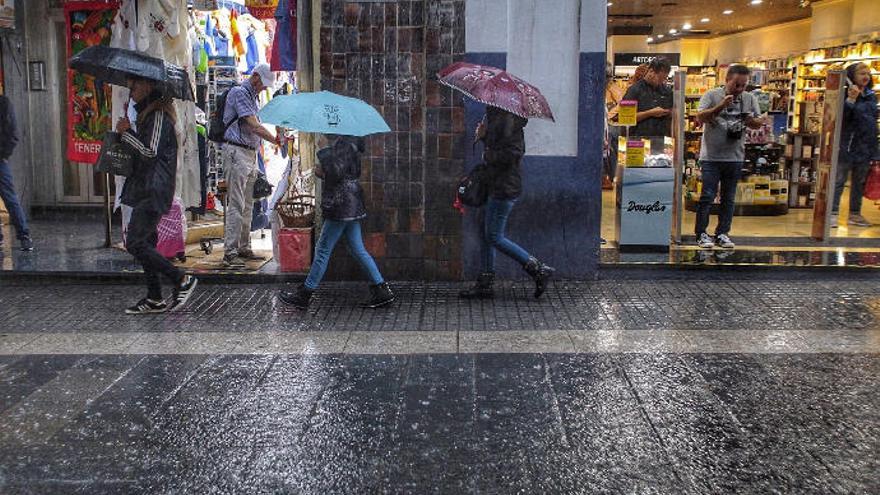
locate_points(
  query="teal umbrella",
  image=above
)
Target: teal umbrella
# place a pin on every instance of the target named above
(324, 112)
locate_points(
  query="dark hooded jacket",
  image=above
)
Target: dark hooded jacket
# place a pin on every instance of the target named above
(342, 197)
(505, 147)
(8, 128)
(155, 146)
(858, 139)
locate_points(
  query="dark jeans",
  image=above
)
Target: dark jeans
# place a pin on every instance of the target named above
(859, 173)
(10, 199)
(727, 174)
(141, 243)
(495, 223)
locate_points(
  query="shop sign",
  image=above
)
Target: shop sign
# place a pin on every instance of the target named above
(635, 153)
(635, 59)
(7, 14)
(626, 113)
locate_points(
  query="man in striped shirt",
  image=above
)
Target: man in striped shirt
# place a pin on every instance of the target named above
(243, 136)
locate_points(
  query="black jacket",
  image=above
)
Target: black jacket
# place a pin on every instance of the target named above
(505, 147)
(155, 144)
(8, 128)
(342, 195)
(858, 139)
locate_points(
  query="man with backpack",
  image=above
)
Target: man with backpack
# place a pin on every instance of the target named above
(8, 140)
(242, 137)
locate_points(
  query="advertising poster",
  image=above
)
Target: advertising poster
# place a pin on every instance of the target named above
(88, 24)
(831, 116)
(7, 14)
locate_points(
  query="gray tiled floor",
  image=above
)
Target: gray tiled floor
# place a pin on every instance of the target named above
(691, 384)
(708, 301)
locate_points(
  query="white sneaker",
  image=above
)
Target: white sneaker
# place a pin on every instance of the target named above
(724, 241)
(705, 242)
(834, 221)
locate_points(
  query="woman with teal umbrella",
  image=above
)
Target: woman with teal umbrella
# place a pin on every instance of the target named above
(344, 121)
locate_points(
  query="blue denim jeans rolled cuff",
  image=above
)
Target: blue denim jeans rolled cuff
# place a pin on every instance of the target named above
(13, 205)
(331, 232)
(726, 174)
(496, 212)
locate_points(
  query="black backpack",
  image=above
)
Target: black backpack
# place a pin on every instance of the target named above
(216, 126)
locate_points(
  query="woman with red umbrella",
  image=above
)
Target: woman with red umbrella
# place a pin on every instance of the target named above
(510, 102)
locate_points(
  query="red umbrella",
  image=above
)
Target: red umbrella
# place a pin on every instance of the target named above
(498, 88)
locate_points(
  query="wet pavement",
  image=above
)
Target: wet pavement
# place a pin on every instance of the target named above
(692, 383)
(74, 243)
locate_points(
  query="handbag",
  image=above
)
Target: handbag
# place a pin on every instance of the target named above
(262, 188)
(116, 157)
(872, 183)
(473, 188)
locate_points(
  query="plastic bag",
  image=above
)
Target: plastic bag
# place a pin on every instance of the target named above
(872, 184)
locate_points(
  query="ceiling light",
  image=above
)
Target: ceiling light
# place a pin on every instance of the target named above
(660, 36)
(727, 12)
(704, 20)
(610, 4)
(757, 2)
(673, 31)
(686, 26)
(650, 40)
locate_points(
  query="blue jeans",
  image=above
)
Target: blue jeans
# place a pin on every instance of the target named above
(728, 174)
(495, 223)
(10, 199)
(330, 234)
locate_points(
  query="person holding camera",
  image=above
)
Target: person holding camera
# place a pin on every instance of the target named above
(725, 112)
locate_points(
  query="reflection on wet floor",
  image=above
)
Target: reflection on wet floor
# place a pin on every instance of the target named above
(749, 255)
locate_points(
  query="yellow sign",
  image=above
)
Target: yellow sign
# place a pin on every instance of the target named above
(635, 154)
(626, 115)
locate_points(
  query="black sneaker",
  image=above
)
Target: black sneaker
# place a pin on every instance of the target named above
(27, 244)
(183, 292)
(248, 255)
(147, 306)
(233, 261)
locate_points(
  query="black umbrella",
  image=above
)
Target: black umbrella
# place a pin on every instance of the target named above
(116, 65)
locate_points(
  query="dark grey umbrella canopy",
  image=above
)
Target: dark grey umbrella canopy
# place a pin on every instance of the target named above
(116, 65)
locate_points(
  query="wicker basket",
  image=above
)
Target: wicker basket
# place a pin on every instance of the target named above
(297, 212)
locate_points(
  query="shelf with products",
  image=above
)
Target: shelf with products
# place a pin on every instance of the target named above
(763, 189)
(805, 109)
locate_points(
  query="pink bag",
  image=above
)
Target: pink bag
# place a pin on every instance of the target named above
(172, 232)
(872, 184)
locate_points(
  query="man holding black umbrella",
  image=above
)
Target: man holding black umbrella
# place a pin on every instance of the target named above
(244, 134)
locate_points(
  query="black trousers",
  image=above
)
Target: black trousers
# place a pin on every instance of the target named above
(141, 243)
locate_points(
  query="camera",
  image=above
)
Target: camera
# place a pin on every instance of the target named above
(735, 129)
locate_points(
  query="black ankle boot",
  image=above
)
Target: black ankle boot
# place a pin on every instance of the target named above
(380, 295)
(483, 289)
(540, 273)
(298, 298)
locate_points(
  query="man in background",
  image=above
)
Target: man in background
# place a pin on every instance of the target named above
(655, 101)
(8, 140)
(725, 112)
(243, 137)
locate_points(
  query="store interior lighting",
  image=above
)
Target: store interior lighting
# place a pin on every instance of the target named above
(727, 12)
(704, 20)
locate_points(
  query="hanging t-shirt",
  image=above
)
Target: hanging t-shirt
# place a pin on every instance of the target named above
(253, 53)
